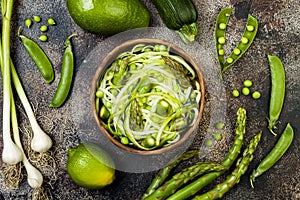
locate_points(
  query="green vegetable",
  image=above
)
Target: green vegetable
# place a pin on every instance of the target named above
(247, 83)
(39, 57)
(179, 15)
(256, 95)
(198, 184)
(245, 91)
(277, 91)
(221, 24)
(218, 136)
(234, 178)
(165, 171)
(208, 142)
(235, 93)
(164, 96)
(66, 78)
(11, 154)
(36, 18)
(43, 38)
(244, 43)
(28, 23)
(51, 21)
(186, 175)
(276, 153)
(43, 28)
(220, 125)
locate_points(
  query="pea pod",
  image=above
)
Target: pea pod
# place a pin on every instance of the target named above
(244, 43)
(276, 153)
(39, 57)
(221, 24)
(277, 91)
(65, 81)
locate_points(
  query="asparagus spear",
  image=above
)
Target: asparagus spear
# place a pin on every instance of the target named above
(181, 178)
(234, 177)
(164, 172)
(233, 153)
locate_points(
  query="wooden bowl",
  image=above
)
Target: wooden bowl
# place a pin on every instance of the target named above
(110, 57)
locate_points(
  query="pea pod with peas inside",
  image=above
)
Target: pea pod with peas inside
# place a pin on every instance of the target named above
(39, 57)
(277, 91)
(65, 81)
(276, 153)
(244, 43)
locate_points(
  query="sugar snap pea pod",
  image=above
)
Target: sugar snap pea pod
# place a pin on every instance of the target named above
(220, 30)
(275, 154)
(244, 43)
(234, 178)
(277, 91)
(39, 57)
(232, 155)
(165, 171)
(65, 81)
(183, 177)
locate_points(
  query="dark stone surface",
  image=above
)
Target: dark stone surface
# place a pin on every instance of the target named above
(279, 34)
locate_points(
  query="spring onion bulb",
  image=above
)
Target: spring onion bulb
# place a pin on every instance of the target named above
(149, 96)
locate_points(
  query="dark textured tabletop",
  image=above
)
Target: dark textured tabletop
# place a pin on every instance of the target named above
(278, 34)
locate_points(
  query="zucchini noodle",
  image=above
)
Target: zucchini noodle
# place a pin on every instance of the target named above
(149, 96)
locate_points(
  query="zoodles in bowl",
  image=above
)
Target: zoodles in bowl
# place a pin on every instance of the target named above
(148, 97)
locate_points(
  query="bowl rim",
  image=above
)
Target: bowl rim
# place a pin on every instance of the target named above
(107, 60)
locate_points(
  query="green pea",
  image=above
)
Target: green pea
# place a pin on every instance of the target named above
(124, 140)
(51, 21)
(104, 113)
(244, 40)
(209, 142)
(236, 51)
(99, 94)
(256, 95)
(235, 93)
(246, 91)
(28, 22)
(36, 18)
(43, 38)
(250, 28)
(43, 28)
(222, 26)
(229, 60)
(221, 40)
(218, 136)
(221, 52)
(247, 83)
(220, 125)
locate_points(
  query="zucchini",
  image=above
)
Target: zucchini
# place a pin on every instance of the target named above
(179, 15)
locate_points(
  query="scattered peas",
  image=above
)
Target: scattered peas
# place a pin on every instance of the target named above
(229, 60)
(247, 83)
(220, 125)
(218, 136)
(28, 22)
(246, 91)
(51, 21)
(222, 26)
(43, 28)
(43, 38)
(236, 51)
(256, 95)
(250, 28)
(36, 18)
(99, 94)
(221, 40)
(235, 93)
(244, 40)
(208, 142)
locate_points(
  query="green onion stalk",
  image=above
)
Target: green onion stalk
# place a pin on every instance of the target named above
(148, 97)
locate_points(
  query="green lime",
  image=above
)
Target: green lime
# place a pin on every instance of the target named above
(90, 166)
(108, 17)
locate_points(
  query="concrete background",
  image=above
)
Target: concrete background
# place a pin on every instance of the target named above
(279, 34)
